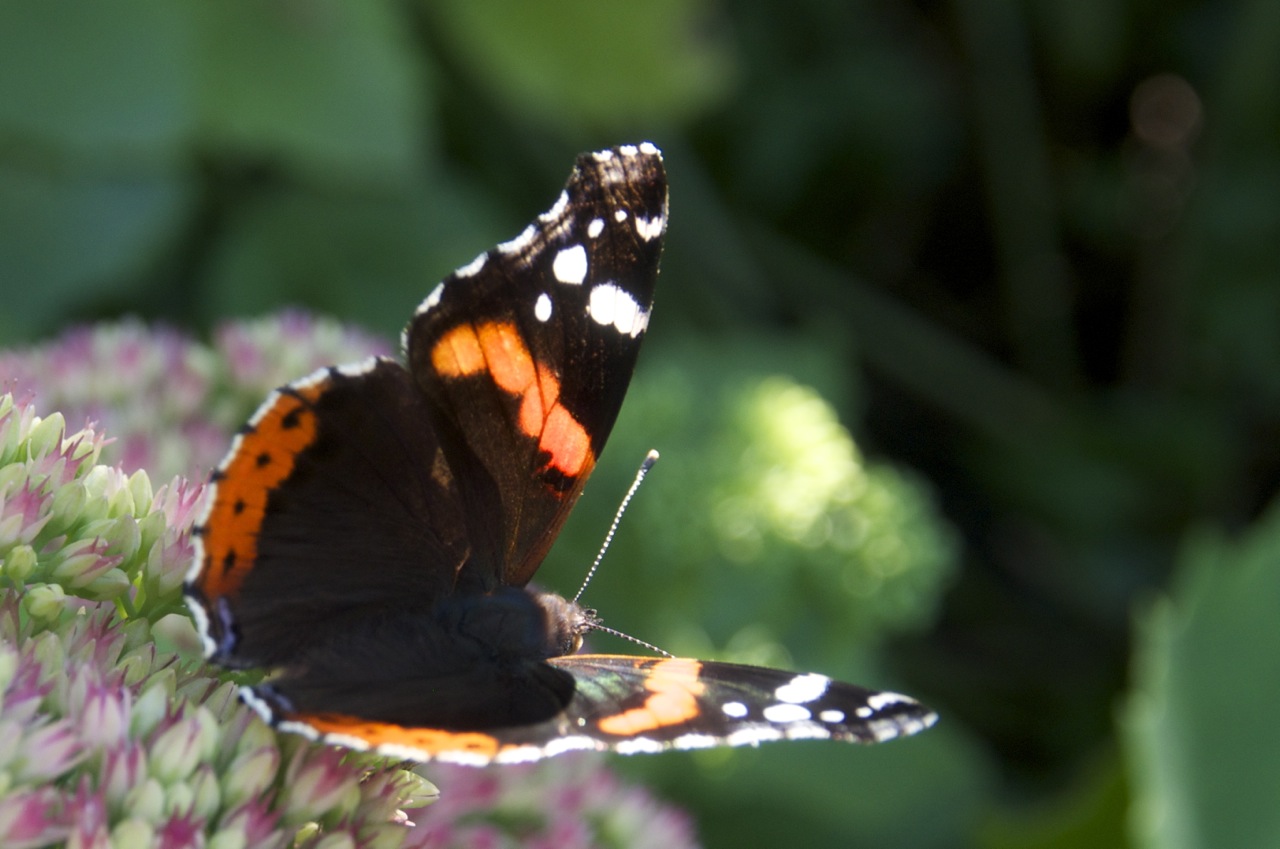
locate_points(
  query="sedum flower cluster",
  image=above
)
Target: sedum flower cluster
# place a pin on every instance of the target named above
(113, 730)
(168, 402)
(107, 737)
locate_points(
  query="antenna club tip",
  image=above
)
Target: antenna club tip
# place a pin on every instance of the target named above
(650, 458)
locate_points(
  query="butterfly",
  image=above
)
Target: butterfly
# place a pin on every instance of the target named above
(371, 533)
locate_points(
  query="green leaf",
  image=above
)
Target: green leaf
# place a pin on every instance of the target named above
(332, 88)
(369, 258)
(1200, 724)
(64, 233)
(100, 80)
(589, 63)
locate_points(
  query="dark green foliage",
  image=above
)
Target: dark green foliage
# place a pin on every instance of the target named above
(1028, 250)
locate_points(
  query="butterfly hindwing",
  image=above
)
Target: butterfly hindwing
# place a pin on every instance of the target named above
(636, 705)
(329, 504)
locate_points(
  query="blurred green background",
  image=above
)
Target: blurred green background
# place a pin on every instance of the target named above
(965, 366)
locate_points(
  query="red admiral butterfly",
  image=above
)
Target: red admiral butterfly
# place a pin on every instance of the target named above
(370, 534)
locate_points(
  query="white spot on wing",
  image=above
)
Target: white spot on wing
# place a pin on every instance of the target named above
(806, 731)
(734, 710)
(542, 308)
(354, 743)
(832, 716)
(595, 228)
(880, 701)
(290, 727)
(803, 688)
(434, 298)
(459, 757)
(518, 755)
(649, 148)
(639, 746)
(357, 369)
(570, 265)
(472, 268)
(404, 753)
(650, 228)
(570, 744)
(202, 618)
(519, 243)
(557, 209)
(685, 742)
(613, 306)
(619, 215)
(785, 713)
(753, 735)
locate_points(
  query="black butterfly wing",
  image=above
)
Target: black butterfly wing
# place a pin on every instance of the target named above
(334, 502)
(634, 705)
(526, 353)
(358, 532)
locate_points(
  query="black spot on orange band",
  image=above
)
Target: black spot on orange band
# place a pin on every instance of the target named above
(263, 460)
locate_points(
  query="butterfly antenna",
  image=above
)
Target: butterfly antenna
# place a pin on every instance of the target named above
(596, 626)
(649, 460)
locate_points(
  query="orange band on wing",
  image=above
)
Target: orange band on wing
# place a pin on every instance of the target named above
(498, 350)
(430, 741)
(673, 687)
(567, 443)
(263, 459)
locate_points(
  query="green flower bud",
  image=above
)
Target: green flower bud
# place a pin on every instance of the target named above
(151, 706)
(45, 436)
(96, 507)
(179, 798)
(48, 752)
(256, 735)
(8, 664)
(416, 791)
(45, 602)
(140, 489)
(79, 562)
(250, 774)
(12, 473)
(122, 537)
(19, 563)
(146, 801)
(112, 583)
(136, 664)
(336, 841)
(151, 528)
(178, 631)
(132, 832)
(382, 837)
(175, 753)
(87, 447)
(11, 731)
(206, 792)
(68, 506)
(229, 839)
